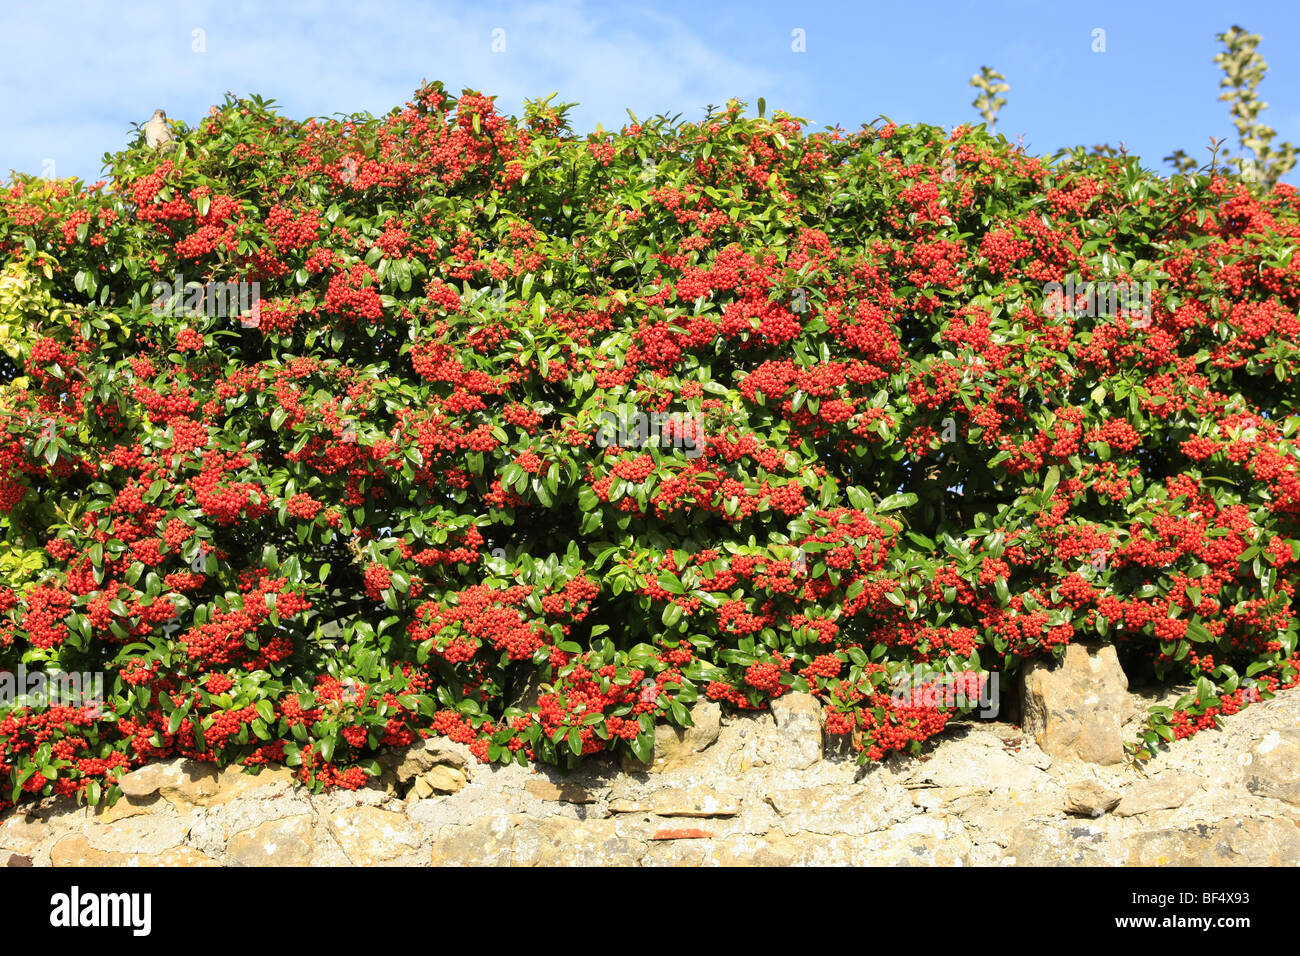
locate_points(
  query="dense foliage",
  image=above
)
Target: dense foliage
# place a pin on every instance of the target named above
(406, 491)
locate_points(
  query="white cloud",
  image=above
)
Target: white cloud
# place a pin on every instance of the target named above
(78, 79)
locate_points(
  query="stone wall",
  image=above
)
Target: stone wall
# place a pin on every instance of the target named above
(753, 789)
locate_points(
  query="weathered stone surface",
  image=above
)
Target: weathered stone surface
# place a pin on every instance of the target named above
(693, 802)
(488, 841)
(443, 779)
(423, 756)
(928, 840)
(150, 833)
(982, 763)
(1078, 707)
(777, 849)
(1073, 844)
(286, 842)
(76, 850)
(932, 798)
(921, 841)
(147, 780)
(22, 833)
(326, 851)
(682, 848)
(1089, 798)
(680, 802)
(121, 810)
(985, 794)
(233, 783)
(853, 809)
(1166, 792)
(788, 737)
(561, 792)
(1227, 843)
(188, 783)
(214, 826)
(152, 778)
(1273, 767)
(368, 835)
(674, 746)
(373, 794)
(799, 731)
(563, 841)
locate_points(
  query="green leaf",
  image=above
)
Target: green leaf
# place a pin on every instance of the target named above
(1004, 592)
(1053, 479)
(671, 583)
(643, 747)
(897, 501)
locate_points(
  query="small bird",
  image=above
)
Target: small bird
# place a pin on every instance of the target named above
(156, 132)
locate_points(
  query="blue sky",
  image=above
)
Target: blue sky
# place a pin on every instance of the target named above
(75, 76)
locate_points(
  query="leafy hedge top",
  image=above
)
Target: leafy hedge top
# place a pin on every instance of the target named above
(409, 483)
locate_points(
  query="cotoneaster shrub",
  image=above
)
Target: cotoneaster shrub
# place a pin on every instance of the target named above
(394, 497)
